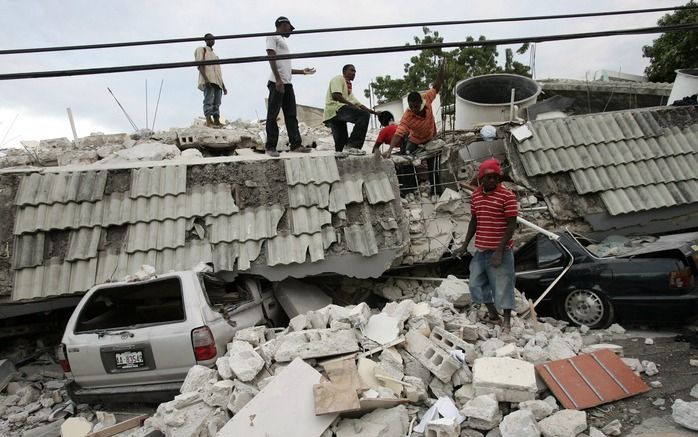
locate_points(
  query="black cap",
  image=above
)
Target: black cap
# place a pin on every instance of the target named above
(283, 19)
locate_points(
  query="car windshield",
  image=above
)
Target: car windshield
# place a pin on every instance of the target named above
(131, 305)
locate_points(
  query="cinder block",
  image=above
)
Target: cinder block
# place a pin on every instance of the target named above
(509, 379)
(449, 342)
(445, 427)
(435, 359)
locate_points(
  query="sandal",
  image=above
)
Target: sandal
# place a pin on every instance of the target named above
(488, 319)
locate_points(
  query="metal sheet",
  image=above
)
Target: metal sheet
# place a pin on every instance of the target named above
(635, 199)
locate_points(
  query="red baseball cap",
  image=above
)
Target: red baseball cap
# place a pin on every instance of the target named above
(489, 166)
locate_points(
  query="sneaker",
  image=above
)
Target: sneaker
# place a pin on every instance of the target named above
(354, 151)
(300, 149)
(273, 153)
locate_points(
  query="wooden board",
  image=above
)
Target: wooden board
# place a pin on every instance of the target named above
(120, 427)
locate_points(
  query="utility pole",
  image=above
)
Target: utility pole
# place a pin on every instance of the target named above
(72, 126)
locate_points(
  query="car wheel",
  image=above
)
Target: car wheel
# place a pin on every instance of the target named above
(586, 307)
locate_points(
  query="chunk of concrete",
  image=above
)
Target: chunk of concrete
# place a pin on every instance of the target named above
(416, 391)
(285, 407)
(444, 427)
(382, 328)
(7, 371)
(540, 409)
(315, 343)
(254, 335)
(431, 356)
(613, 428)
(558, 349)
(297, 297)
(218, 394)
(76, 427)
(617, 349)
(685, 414)
(224, 369)
(359, 315)
(509, 379)
(455, 291)
(242, 394)
(483, 407)
(197, 377)
(53, 429)
(450, 342)
(198, 419)
(649, 368)
(393, 422)
(244, 361)
(565, 423)
(520, 423)
(694, 391)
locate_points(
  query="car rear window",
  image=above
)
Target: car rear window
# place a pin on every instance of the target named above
(137, 304)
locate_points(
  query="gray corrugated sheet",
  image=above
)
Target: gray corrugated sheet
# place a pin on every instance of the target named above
(657, 171)
(118, 209)
(288, 249)
(54, 278)
(83, 243)
(167, 234)
(378, 189)
(28, 251)
(38, 188)
(635, 199)
(248, 224)
(318, 170)
(309, 195)
(309, 220)
(158, 181)
(674, 142)
(362, 239)
(348, 190)
(590, 129)
(329, 236)
(225, 255)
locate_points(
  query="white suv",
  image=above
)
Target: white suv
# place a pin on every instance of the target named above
(137, 340)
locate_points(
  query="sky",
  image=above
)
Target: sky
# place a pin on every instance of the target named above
(34, 109)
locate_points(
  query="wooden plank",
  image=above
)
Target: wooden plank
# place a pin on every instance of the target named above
(120, 427)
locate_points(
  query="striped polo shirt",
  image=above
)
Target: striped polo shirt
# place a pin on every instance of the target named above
(420, 129)
(491, 211)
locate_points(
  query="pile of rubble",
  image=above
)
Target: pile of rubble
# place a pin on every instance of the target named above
(415, 367)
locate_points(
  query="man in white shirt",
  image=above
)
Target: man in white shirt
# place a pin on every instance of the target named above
(210, 82)
(281, 95)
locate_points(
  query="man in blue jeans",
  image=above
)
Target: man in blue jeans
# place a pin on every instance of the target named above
(342, 107)
(493, 211)
(210, 82)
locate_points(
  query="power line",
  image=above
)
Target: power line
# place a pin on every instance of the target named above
(345, 29)
(349, 52)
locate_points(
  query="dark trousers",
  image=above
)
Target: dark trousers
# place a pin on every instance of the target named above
(287, 102)
(338, 124)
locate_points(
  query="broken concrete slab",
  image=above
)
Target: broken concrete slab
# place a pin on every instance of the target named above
(196, 377)
(76, 427)
(297, 297)
(254, 335)
(382, 328)
(509, 379)
(540, 409)
(7, 371)
(242, 394)
(52, 429)
(685, 414)
(393, 422)
(618, 350)
(315, 343)
(483, 407)
(520, 423)
(244, 361)
(198, 419)
(564, 423)
(284, 407)
(431, 356)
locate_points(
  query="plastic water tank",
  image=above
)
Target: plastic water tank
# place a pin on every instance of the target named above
(685, 84)
(483, 99)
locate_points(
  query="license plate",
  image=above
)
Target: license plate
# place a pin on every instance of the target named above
(129, 360)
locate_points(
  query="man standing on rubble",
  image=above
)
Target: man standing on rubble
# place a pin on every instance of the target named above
(342, 107)
(281, 94)
(493, 210)
(418, 123)
(210, 82)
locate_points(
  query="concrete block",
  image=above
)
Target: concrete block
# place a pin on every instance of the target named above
(218, 394)
(299, 323)
(539, 409)
(197, 376)
(449, 342)
(685, 414)
(510, 350)
(254, 335)
(464, 394)
(76, 427)
(7, 371)
(392, 422)
(244, 361)
(431, 356)
(509, 379)
(314, 343)
(520, 423)
(565, 423)
(483, 407)
(285, 407)
(224, 369)
(444, 427)
(455, 291)
(297, 297)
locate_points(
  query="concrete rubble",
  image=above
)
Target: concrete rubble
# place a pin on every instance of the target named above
(685, 414)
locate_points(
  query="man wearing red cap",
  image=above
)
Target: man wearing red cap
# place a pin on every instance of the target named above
(493, 212)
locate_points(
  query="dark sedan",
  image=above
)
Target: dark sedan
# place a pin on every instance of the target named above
(652, 283)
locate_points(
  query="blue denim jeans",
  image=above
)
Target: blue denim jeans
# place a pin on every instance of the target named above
(212, 100)
(490, 284)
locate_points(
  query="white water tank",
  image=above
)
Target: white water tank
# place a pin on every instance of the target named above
(486, 99)
(685, 84)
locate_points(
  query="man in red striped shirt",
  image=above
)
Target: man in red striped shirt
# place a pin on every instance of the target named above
(493, 211)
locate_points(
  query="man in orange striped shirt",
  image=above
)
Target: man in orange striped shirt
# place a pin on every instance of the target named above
(493, 211)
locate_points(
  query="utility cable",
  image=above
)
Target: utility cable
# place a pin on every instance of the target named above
(346, 29)
(348, 52)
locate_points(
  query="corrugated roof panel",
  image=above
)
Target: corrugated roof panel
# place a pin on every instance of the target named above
(83, 243)
(378, 189)
(225, 255)
(28, 251)
(38, 188)
(362, 239)
(167, 234)
(249, 224)
(329, 236)
(289, 249)
(317, 170)
(589, 129)
(158, 181)
(118, 209)
(658, 171)
(309, 195)
(54, 278)
(309, 220)
(635, 199)
(348, 190)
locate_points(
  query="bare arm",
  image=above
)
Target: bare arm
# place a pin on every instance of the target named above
(275, 71)
(472, 226)
(393, 143)
(440, 77)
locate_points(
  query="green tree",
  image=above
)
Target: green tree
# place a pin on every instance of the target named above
(462, 62)
(672, 51)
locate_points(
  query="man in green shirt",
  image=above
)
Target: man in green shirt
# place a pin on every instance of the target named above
(342, 107)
